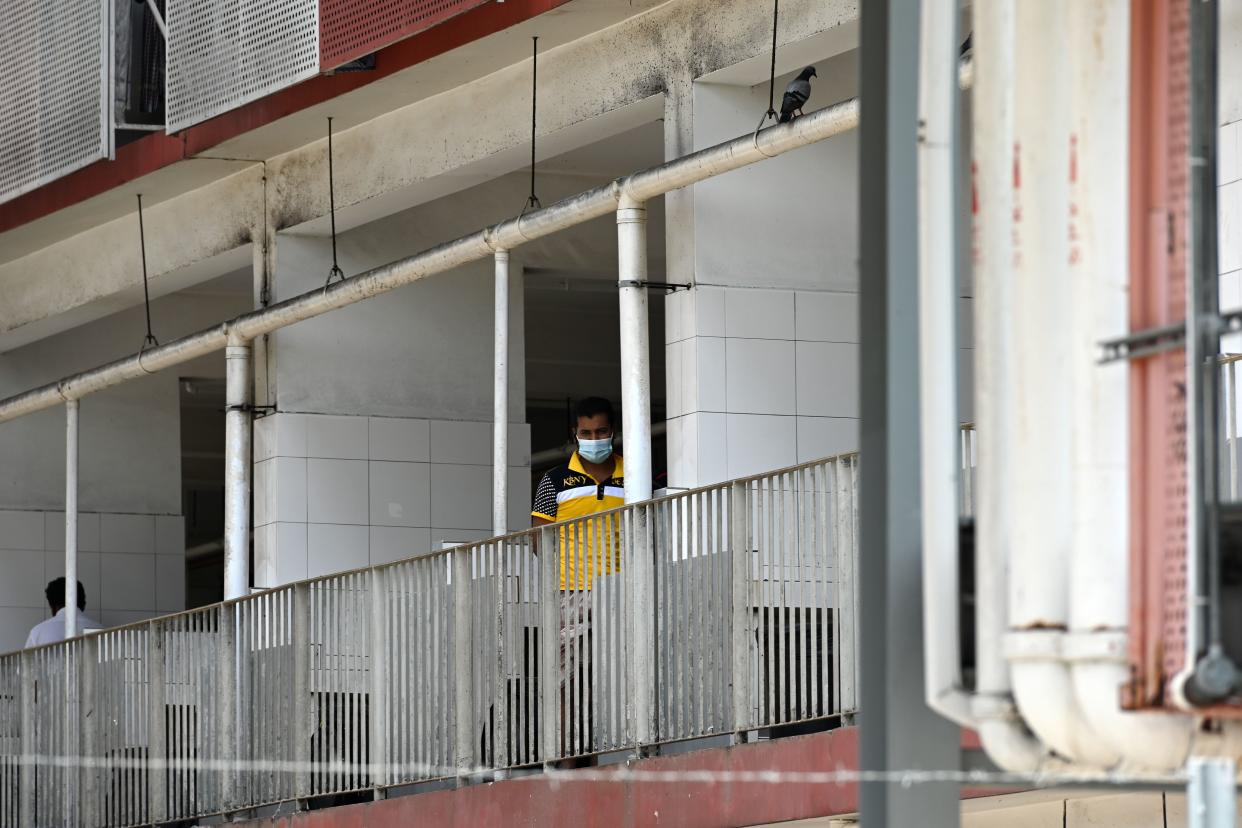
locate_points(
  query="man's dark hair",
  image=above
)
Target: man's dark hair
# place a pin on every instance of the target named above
(55, 593)
(592, 406)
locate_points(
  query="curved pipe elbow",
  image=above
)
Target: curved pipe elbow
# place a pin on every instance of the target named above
(1144, 741)
(1005, 737)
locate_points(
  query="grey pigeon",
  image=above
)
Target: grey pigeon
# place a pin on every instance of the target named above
(797, 94)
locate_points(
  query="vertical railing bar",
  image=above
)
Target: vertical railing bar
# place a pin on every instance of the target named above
(463, 623)
(157, 746)
(1232, 441)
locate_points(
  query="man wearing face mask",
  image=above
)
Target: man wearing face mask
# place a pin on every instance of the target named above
(591, 482)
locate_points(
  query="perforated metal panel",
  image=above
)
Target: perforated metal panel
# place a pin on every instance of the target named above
(350, 29)
(224, 53)
(55, 115)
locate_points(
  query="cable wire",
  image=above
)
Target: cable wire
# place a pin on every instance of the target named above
(532, 201)
(149, 340)
(771, 113)
(335, 272)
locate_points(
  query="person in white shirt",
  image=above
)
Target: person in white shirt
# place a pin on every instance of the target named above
(53, 629)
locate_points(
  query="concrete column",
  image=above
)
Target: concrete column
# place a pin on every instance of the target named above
(239, 397)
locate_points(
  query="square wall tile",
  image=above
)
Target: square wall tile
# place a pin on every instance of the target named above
(335, 437)
(966, 385)
(395, 543)
(170, 535)
(674, 378)
(128, 582)
(710, 375)
(461, 496)
(264, 438)
(759, 376)
(54, 531)
(89, 573)
(123, 618)
(130, 534)
(259, 481)
(287, 489)
(15, 625)
(713, 465)
(22, 582)
(291, 434)
(760, 444)
(264, 574)
(828, 379)
(826, 317)
(394, 438)
(400, 494)
(759, 314)
(682, 437)
(519, 444)
(21, 530)
(1230, 290)
(697, 450)
(336, 491)
(335, 548)
(675, 312)
(169, 583)
(455, 441)
(820, 437)
(291, 557)
(708, 309)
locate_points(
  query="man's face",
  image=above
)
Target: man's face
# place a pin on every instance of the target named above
(593, 428)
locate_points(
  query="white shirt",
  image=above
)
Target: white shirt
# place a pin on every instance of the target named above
(53, 629)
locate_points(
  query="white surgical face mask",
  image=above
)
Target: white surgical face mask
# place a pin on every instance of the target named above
(595, 451)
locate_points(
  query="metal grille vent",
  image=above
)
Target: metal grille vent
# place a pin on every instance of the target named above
(225, 53)
(350, 29)
(55, 87)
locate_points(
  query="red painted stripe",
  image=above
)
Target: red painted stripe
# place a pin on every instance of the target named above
(156, 151)
(536, 801)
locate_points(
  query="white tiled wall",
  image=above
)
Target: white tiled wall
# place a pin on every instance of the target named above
(334, 493)
(758, 379)
(132, 567)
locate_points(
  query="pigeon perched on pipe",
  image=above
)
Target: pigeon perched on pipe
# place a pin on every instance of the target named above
(797, 94)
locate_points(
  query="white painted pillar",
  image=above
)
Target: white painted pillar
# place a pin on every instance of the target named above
(500, 399)
(635, 348)
(239, 391)
(71, 518)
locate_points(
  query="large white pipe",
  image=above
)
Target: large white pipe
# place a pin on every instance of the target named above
(500, 398)
(1099, 573)
(640, 186)
(239, 390)
(938, 418)
(71, 518)
(1038, 429)
(635, 347)
(1004, 736)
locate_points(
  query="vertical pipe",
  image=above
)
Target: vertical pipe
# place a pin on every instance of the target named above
(71, 518)
(239, 395)
(1210, 795)
(500, 399)
(635, 351)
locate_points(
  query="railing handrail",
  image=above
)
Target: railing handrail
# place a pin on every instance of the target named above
(531, 532)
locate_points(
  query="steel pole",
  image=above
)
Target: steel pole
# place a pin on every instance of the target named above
(239, 392)
(500, 399)
(635, 348)
(71, 518)
(898, 731)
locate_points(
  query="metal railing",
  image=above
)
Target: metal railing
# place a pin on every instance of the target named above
(715, 611)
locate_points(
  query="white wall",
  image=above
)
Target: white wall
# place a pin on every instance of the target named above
(131, 532)
(130, 450)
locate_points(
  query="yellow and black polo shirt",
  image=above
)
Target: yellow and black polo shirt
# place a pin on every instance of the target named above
(589, 548)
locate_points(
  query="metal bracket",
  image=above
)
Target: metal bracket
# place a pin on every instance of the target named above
(1153, 341)
(671, 287)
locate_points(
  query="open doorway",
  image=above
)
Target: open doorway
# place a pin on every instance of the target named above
(202, 487)
(573, 333)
